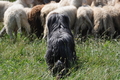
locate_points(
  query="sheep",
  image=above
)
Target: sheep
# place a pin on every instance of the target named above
(15, 16)
(13, 13)
(84, 21)
(117, 9)
(35, 21)
(4, 5)
(114, 12)
(70, 11)
(46, 9)
(103, 24)
(50, 7)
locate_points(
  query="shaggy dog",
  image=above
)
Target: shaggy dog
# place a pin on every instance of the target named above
(60, 43)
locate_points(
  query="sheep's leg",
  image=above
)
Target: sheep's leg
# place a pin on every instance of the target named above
(26, 25)
(45, 32)
(2, 32)
(18, 20)
(15, 33)
(76, 31)
(9, 32)
(77, 28)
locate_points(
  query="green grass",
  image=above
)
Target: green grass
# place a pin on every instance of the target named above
(24, 60)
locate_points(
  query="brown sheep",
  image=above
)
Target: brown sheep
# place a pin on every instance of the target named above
(35, 21)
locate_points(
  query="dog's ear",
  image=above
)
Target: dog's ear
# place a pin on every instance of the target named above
(51, 20)
(65, 20)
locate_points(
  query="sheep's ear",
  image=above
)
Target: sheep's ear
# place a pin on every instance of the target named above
(29, 1)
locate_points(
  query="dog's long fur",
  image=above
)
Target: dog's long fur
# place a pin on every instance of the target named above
(60, 42)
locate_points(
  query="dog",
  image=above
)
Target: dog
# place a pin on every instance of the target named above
(60, 43)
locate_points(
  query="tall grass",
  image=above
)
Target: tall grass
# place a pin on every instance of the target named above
(24, 60)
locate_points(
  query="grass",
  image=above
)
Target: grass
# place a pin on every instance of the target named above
(24, 60)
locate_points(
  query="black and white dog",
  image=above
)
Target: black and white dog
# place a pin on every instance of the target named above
(60, 43)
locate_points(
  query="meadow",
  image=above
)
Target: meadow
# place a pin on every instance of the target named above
(97, 59)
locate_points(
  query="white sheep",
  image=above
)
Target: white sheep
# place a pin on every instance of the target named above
(69, 11)
(103, 23)
(84, 19)
(17, 14)
(4, 5)
(114, 13)
(46, 9)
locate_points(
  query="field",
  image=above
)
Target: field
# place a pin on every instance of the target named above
(24, 60)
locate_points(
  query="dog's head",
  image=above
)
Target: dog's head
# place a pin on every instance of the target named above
(56, 21)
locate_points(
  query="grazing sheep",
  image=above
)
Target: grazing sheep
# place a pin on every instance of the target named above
(15, 16)
(50, 7)
(84, 20)
(60, 53)
(103, 23)
(117, 10)
(35, 21)
(69, 11)
(46, 9)
(13, 13)
(4, 5)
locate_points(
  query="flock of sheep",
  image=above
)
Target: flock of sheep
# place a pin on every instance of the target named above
(99, 17)
(56, 20)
